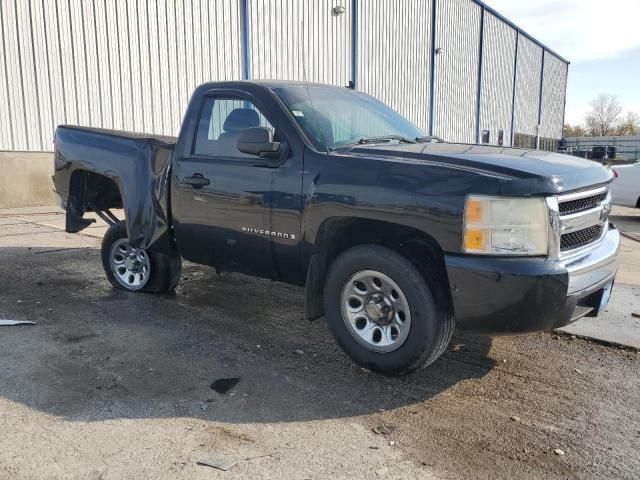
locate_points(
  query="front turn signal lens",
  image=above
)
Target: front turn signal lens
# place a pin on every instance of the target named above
(473, 239)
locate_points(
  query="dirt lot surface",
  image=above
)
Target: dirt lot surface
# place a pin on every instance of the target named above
(111, 385)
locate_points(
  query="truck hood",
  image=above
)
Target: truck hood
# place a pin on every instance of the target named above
(528, 172)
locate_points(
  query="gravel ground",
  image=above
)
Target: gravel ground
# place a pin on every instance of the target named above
(116, 385)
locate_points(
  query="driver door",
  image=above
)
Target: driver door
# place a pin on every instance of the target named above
(220, 195)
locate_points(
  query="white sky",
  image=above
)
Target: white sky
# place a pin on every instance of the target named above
(601, 39)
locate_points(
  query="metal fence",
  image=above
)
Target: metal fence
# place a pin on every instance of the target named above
(623, 148)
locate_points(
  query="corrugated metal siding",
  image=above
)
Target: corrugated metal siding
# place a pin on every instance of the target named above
(129, 65)
(456, 69)
(529, 66)
(132, 64)
(394, 48)
(290, 38)
(14, 74)
(499, 51)
(6, 113)
(554, 86)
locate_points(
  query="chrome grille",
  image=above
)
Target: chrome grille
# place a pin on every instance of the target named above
(582, 219)
(581, 204)
(580, 238)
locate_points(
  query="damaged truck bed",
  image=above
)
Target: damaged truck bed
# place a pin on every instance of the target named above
(97, 170)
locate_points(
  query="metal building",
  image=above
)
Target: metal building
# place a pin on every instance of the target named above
(456, 68)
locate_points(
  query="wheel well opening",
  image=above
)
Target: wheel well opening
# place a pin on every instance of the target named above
(94, 191)
(89, 192)
(339, 234)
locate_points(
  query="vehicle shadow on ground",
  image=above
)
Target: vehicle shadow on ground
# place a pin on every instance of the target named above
(99, 353)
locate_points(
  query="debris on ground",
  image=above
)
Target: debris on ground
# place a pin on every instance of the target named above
(383, 429)
(223, 385)
(223, 463)
(11, 323)
(578, 371)
(261, 456)
(299, 352)
(226, 462)
(557, 451)
(515, 418)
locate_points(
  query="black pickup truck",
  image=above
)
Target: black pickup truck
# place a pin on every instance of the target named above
(398, 237)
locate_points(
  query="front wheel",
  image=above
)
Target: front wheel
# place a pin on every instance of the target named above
(136, 269)
(383, 311)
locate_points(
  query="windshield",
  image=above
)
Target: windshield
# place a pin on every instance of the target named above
(333, 117)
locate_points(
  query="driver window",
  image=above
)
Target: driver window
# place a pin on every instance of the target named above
(220, 124)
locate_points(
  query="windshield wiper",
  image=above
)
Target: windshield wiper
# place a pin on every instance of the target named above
(429, 139)
(380, 139)
(384, 138)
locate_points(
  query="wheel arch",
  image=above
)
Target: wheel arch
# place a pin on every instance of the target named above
(89, 192)
(337, 234)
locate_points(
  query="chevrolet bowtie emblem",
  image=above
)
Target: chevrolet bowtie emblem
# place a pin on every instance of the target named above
(606, 210)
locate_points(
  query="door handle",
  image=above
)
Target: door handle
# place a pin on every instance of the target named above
(197, 180)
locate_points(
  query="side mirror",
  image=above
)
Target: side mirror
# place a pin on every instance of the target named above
(258, 141)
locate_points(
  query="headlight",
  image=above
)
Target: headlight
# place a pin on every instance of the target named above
(505, 226)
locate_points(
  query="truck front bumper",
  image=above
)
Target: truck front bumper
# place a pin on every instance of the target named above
(518, 295)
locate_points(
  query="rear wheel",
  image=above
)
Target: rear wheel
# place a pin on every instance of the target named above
(129, 266)
(383, 311)
(136, 269)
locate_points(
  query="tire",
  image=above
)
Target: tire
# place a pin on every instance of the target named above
(420, 339)
(162, 270)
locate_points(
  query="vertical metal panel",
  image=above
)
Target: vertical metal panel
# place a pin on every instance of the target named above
(129, 65)
(14, 72)
(394, 46)
(162, 64)
(115, 54)
(145, 78)
(6, 112)
(553, 94)
(456, 74)
(43, 132)
(480, 66)
(432, 64)
(31, 96)
(94, 70)
(529, 65)
(297, 40)
(80, 67)
(497, 78)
